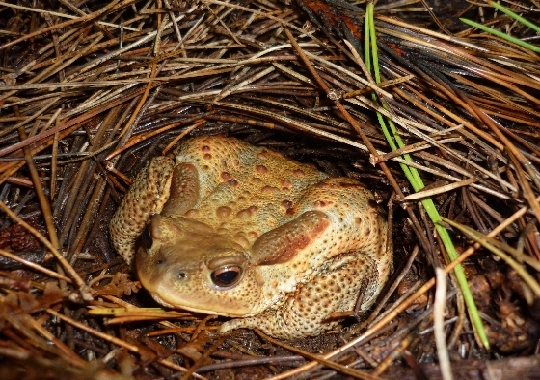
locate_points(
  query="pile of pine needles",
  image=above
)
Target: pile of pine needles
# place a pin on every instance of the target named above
(440, 117)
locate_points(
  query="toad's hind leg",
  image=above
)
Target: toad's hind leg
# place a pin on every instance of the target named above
(311, 309)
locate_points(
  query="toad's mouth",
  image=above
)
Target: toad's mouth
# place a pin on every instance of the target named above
(170, 303)
(165, 303)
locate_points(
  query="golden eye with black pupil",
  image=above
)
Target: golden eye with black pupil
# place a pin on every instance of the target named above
(226, 276)
(145, 240)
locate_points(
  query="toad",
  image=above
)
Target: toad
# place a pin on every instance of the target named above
(225, 227)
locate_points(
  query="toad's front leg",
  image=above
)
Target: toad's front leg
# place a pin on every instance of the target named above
(146, 196)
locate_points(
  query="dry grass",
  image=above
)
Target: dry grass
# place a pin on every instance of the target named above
(90, 90)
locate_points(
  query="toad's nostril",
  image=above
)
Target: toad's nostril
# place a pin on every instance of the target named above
(182, 275)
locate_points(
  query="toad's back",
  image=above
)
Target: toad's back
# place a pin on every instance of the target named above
(245, 188)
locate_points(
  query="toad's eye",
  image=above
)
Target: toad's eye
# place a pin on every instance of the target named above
(226, 276)
(145, 240)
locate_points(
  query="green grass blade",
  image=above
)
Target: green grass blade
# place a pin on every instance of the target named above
(515, 16)
(394, 140)
(504, 36)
